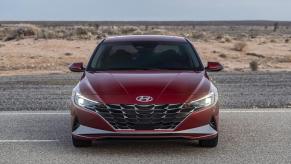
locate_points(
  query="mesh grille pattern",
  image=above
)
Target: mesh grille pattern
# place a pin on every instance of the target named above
(144, 117)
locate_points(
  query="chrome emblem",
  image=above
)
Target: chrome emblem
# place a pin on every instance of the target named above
(144, 98)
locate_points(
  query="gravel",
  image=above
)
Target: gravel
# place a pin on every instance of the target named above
(237, 90)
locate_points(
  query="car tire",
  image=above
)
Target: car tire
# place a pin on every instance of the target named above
(209, 143)
(81, 143)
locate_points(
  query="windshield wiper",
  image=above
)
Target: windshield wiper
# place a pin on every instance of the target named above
(172, 69)
(116, 69)
(157, 68)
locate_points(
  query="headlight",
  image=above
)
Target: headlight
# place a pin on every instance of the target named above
(85, 102)
(207, 100)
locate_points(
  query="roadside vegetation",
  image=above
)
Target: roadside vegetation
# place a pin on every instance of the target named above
(51, 47)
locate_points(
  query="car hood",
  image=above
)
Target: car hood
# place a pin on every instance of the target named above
(121, 87)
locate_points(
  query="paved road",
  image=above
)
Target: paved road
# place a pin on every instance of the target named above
(237, 90)
(246, 136)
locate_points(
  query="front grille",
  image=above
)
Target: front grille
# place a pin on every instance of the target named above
(144, 117)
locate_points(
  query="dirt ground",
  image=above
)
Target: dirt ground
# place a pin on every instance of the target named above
(30, 56)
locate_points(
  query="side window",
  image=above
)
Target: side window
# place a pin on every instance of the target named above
(98, 53)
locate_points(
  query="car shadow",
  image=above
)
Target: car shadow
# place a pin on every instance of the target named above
(137, 147)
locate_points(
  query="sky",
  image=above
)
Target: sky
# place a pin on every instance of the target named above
(155, 10)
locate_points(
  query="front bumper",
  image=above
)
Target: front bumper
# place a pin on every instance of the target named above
(203, 132)
(92, 126)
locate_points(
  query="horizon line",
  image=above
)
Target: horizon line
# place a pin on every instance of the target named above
(213, 20)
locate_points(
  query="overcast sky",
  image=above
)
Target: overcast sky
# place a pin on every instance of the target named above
(145, 10)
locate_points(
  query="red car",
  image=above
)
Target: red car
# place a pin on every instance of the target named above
(145, 87)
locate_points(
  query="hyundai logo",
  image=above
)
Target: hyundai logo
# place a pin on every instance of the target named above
(144, 98)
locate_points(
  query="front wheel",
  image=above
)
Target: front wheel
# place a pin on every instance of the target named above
(209, 143)
(81, 143)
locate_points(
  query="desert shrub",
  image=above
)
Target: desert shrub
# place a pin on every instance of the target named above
(69, 33)
(96, 26)
(137, 32)
(223, 38)
(110, 30)
(61, 33)
(40, 34)
(287, 40)
(81, 31)
(285, 59)
(86, 37)
(253, 34)
(20, 32)
(238, 69)
(273, 41)
(227, 39)
(223, 56)
(185, 34)
(66, 35)
(276, 26)
(46, 34)
(156, 32)
(254, 65)
(255, 55)
(128, 29)
(10, 36)
(266, 27)
(219, 37)
(261, 43)
(241, 36)
(28, 30)
(100, 35)
(68, 54)
(2, 34)
(239, 46)
(198, 35)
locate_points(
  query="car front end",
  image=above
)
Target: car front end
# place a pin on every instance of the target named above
(145, 103)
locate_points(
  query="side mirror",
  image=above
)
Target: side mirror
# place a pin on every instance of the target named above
(77, 67)
(214, 67)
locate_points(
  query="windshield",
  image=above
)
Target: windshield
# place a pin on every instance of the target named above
(145, 56)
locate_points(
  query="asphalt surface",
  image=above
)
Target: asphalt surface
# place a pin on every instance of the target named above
(246, 136)
(237, 90)
(35, 124)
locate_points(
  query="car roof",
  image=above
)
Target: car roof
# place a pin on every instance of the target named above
(132, 38)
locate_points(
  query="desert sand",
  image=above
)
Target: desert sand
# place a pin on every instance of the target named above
(31, 55)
